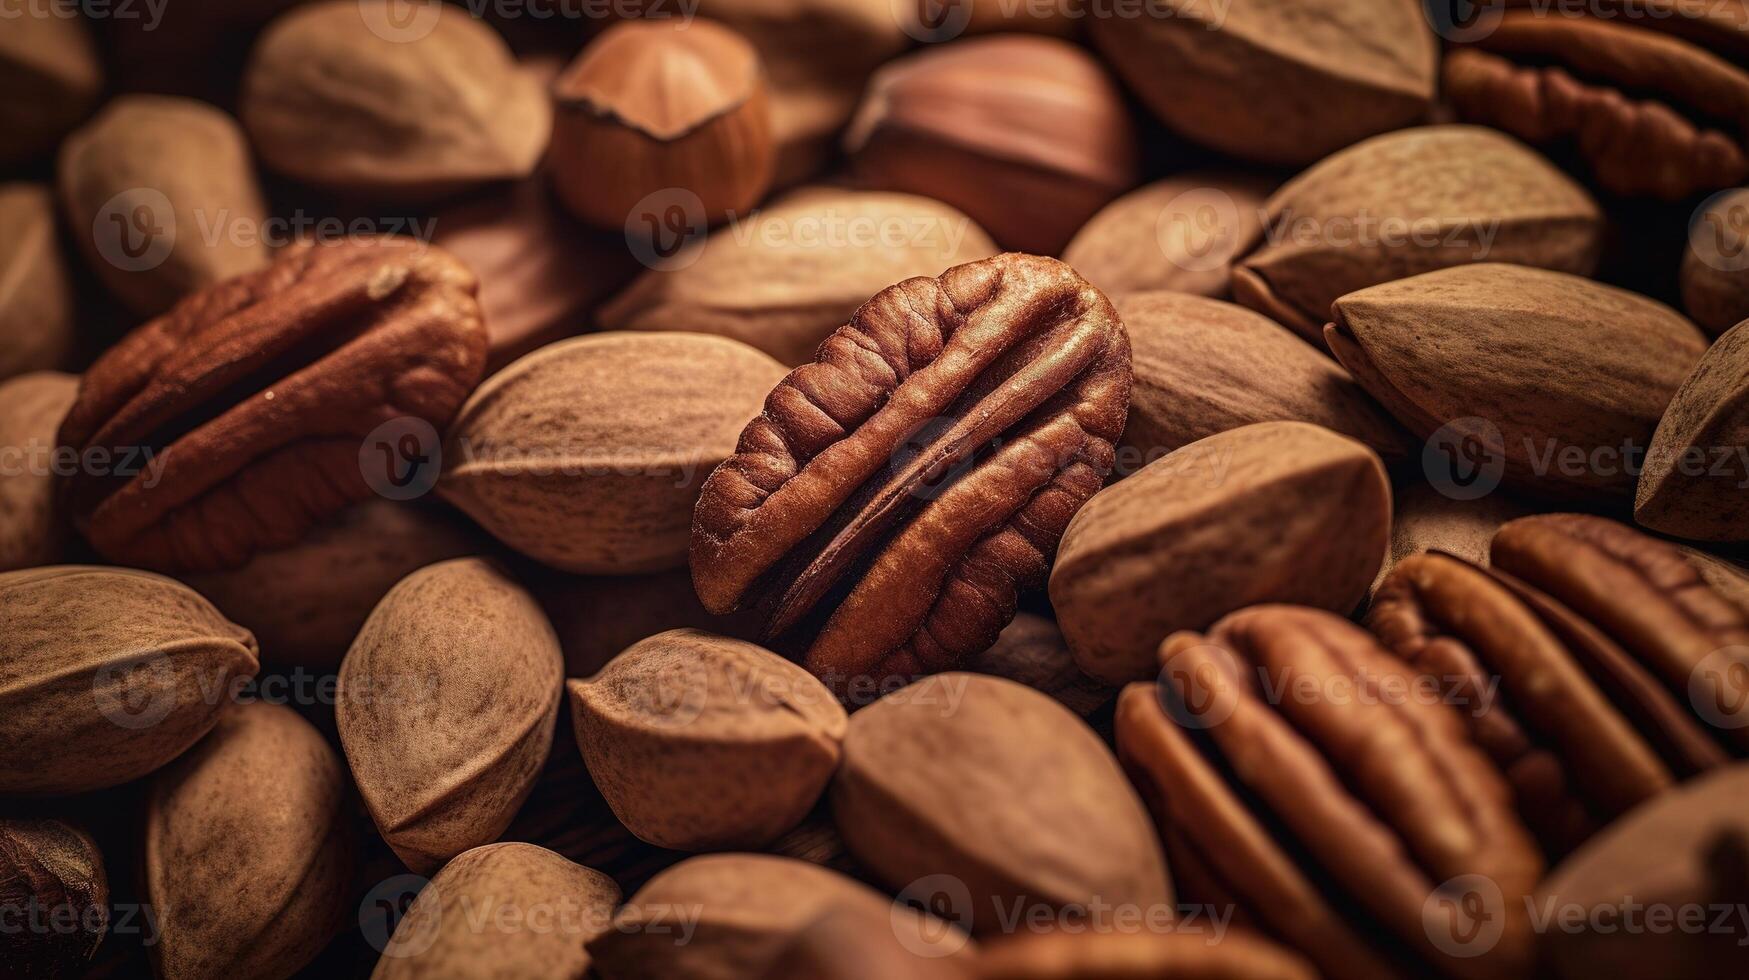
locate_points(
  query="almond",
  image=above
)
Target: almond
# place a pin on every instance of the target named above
(1695, 483)
(36, 296)
(32, 529)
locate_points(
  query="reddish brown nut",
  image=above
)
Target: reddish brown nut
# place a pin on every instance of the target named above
(54, 896)
(236, 420)
(907, 484)
(1073, 954)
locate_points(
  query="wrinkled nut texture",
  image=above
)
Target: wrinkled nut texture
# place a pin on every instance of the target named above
(1406, 203)
(1000, 787)
(702, 742)
(364, 99)
(1029, 135)
(51, 873)
(1121, 248)
(1031, 651)
(1203, 367)
(248, 849)
(1553, 376)
(537, 910)
(1278, 81)
(1330, 749)
(1272, 512)
(154, 173)
(1116, 955)
(447, 702)
(51, 74)
(588, 454)
(31, 409)
(1714, 273)
(107, 674)
(1695, 481)
(783, 292)
(36, 295)
(1427, 518)
(239, 418)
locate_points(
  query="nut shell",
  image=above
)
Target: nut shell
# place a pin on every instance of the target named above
(36, 296)
(32, 527)
(1695, 481)
(52, 880)
(51, 74)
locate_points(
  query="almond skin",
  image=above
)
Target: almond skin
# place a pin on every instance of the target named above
(1696, 480)
(32, 528)
(1156, 238)
(36, 295)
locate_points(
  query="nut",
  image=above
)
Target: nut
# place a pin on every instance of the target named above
(854, 944)
(1558, 380)
(55, 894)
(1697, 469)
(797, 270)
(1715, 289)
(1031, 651)
(161, 196)
(587, 455)
(1407, 203)
(1075, 955)
(36, 296)
(50, 74)
(921, 467)
(704, 743)
(1029, 135)
(650, 107)
(446, 707)
(248, 849)
(31, 526)
(239, 418)
(1427, 518)
(1196, 221)
(1177, 545)
(331, 102)
(598, 616)
(107, 674)
(1272, 83)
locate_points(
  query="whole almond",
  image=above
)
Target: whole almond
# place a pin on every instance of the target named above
(1178, 545)
(32, 529)
(1000, 787)
(587, 455)
(54, 890)
(1715, 280)
(701, 742)
(1182, 233)
(50, 74)
(1406, 203)
(1561, 380)
(1695, 483)
(36, 296)
(797, 270)
(107, 674)
(248, 849)
(160, 193)
(397, 101)
(447, 702)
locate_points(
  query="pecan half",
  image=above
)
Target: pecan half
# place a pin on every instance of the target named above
(234, 421)
(911, 481)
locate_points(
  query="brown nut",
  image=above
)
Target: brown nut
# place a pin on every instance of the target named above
(394, 101)
(794, 272)
(50, 74)
(161, 196)
(248, 849)
(706, 743)
(1160, 955)
(854, 944)
(107, 674)
(446, 708)
(501, 910)
(1288, 735)
(1406, 203)
(1177, 545)
(1715, 286)
(238, 419)
(1429, 518)
(911, 481)
(588, 454)
(1276, 83)
(598, 616)
(36, 296)
(999, 788)
(1197, 222)
(1695, 481)
(1031, 651)
(55, 896)
(1559, 380)
(659, 107)
(31, 526)
(1029, 135)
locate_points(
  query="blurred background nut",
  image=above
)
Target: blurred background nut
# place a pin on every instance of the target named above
(1074, 954)
(248, 849)
(107, 674)
(1182, 234)
(399, 100)
(703, 742)
(587, 455)
(160, 193)
(54, 896)
(853, 944)
(1695, 481)
(1714, 273)
(32, 527)
(1427, 518)
(658, 105)
(597, 616)
(36, 296)
(50, 74)
(1031, 651)
(1028, 135)
(447, 706)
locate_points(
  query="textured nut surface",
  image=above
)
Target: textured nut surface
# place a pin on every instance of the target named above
(447, 702)
(501, 910)
(107, 674)
(703, 742)
(1272, 512)
(1426, 518)
(1695, 482)
(588, 454)
(31, 409)
(248, 848)
(1000, 787)
(1715, 282)
(36, 296)
(783, 290)
(50, 72)
(51, 874)
(1111, 955)
(1276, 81)
(243, 411)
(1160, 236)
(1406, 203)
(1548, 371)
(884, 453)
(143, 183)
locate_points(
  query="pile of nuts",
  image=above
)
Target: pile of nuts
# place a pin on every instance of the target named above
(975, 490)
